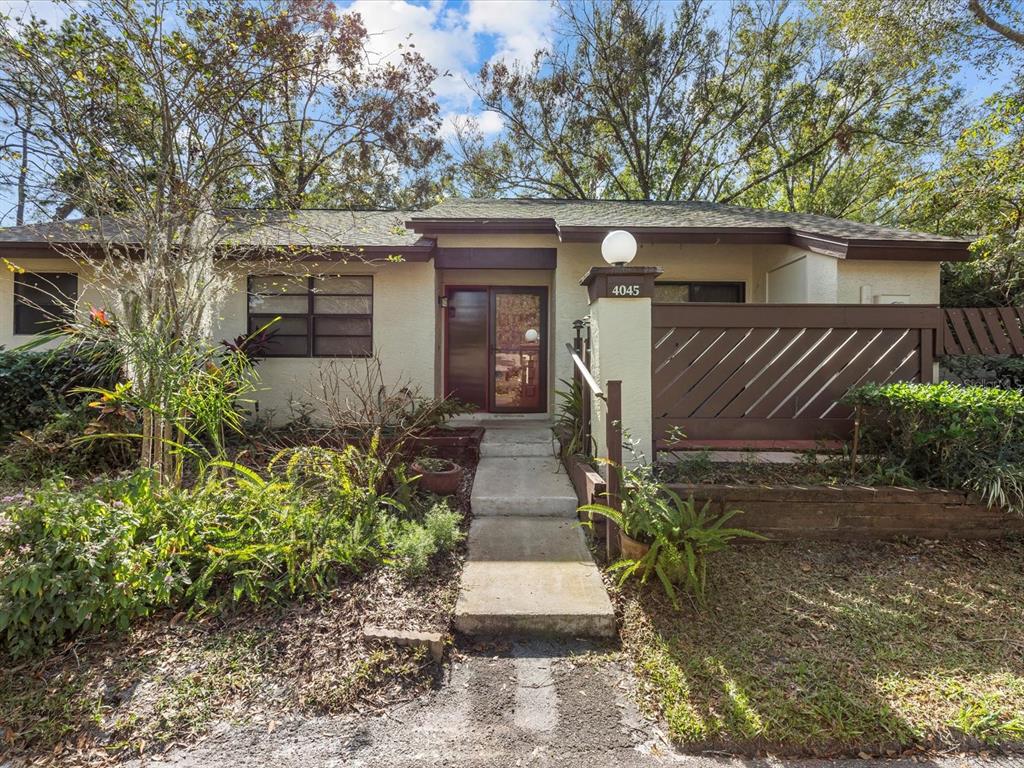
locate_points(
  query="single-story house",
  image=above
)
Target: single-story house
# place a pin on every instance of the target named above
(483, 298)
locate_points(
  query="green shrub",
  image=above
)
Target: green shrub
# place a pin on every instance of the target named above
(442, 522)
(56, 448)
(80, 561)
(681, 536)
(949, 436)
(412, 544)
(37, 385)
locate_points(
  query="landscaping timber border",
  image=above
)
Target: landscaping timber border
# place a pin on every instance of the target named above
(850, 513)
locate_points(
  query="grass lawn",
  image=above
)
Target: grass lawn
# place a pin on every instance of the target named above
(839, 648)
(170, 680)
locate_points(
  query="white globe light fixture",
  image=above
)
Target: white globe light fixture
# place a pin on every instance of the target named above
(532, 335)
(618, 248)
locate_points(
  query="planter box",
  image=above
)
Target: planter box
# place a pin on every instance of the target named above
(460, 444)
(790, 513)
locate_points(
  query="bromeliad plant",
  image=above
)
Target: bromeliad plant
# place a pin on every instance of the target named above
(680, 535)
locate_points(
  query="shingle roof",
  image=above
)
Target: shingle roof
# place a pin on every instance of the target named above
(244, 228)
(662, 215)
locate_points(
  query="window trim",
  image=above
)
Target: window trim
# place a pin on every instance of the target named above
(50, 276)
(741, 284)
(310, 315)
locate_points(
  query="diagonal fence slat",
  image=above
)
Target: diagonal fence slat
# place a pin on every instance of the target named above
(758, 372)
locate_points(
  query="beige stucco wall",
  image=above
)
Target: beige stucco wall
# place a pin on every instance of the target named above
(403, 327)
(788, 275)
(619, 355)
(919, 280)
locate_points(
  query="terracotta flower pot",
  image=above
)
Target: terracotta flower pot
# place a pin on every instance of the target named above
(442, 482)
(630, 548)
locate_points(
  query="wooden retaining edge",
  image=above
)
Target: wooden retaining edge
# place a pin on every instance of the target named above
(590, 487)
(786, 513)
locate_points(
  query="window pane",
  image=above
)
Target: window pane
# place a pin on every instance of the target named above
(291, 346)
(344, 346)
(343, 305)
(728, 292)
(343, 326)
(278, 284)
(289, 326)
(343, 284)
(31, 320)
(286, 305)
(43, 301)
(671, 293)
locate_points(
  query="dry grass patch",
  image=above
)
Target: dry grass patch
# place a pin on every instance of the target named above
(840, 648)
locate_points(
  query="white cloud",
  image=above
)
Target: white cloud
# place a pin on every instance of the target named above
(453, 37)
(521, 27)
(487, 122)
(440, 35)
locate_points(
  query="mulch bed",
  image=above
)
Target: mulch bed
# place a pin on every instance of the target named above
(172, 680)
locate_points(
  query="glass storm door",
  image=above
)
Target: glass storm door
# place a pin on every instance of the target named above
(467, 346)
(518, 334)
(496, 348)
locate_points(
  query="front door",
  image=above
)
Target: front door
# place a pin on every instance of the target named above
(496, 348)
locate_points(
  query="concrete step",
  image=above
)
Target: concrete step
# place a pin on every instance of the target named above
(529, 486)
(518, 440)
(531, 576)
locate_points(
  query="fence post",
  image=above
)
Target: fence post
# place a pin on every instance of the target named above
(613, 428)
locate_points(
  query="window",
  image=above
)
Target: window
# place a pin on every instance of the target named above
(43, 300)
(671, 292)
(327, 316)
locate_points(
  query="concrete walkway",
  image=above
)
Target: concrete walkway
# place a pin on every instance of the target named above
(529, 571)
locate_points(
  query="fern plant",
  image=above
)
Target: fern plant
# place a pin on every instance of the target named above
(681, 535)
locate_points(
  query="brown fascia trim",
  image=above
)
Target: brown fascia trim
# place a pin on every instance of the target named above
(687, 235)
(838, 247)
(496, 258)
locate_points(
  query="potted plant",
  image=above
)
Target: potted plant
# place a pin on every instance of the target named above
(440, 476)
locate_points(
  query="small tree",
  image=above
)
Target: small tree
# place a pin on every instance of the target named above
(151, 118)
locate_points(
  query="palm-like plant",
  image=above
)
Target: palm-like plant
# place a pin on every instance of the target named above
(681, 535)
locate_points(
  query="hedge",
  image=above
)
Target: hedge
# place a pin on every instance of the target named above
(36, 385)
(948, 435)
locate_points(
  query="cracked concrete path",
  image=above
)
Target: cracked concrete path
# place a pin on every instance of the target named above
(536, 703)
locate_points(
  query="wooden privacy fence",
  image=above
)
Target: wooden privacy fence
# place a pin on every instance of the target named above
(988, 331)
(778, 371)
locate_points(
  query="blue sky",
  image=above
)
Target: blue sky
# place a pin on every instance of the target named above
(456, 36)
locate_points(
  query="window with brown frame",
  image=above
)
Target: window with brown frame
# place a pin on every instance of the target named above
(321, 316)
(43, 300)
(678, 292)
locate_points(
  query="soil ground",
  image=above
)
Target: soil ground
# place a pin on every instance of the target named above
(500, 704)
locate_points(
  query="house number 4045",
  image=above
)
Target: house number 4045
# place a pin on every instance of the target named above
(625, 290)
